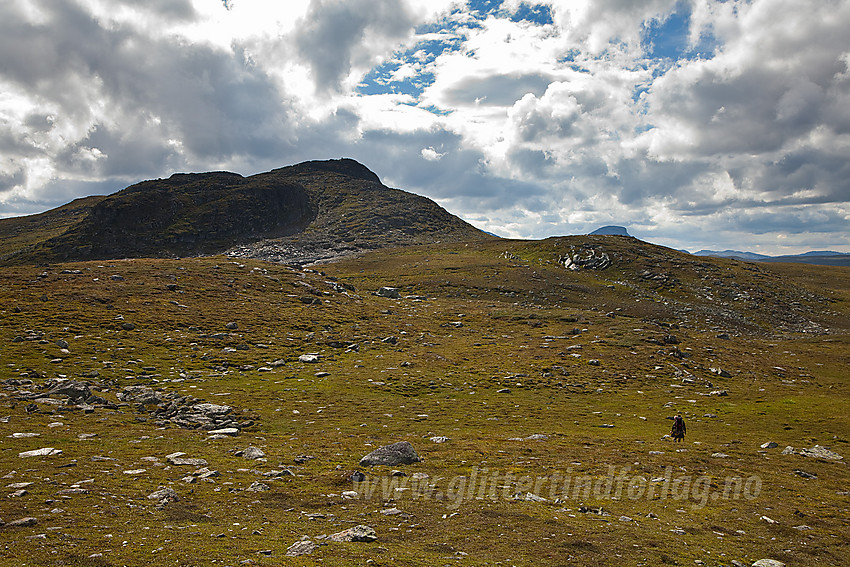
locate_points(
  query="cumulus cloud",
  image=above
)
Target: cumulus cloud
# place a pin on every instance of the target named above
(697, 123)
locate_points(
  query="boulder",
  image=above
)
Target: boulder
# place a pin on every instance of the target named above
(357, 533)
(253, 453)
(819, 452)
(164, 495)
(304, 547)
(72, 389)
(44, 452)
(401, 453)
(388, 292)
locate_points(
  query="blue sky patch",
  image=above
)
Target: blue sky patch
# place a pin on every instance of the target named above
(668, 39)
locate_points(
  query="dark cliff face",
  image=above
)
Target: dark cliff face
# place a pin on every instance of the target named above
(185, 215)
(319, 203)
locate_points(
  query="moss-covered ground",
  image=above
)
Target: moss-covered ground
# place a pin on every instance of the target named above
(489, 345)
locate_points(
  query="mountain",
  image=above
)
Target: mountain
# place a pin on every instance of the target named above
(610, 231)
(731, 254)
(303, 213)
(823, 258)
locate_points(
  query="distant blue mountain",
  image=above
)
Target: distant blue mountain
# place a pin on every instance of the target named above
(611, 231)
(732, 254)
(825, 258)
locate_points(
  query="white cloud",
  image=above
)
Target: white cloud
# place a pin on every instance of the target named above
(529, 129)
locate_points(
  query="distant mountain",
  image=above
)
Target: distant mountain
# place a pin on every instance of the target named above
(824, 258)
(303, 213)
(611, 231)
(731, 254)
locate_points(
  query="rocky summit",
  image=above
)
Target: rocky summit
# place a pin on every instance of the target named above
(310, 212)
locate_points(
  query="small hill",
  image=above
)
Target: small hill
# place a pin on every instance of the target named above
(304, 213)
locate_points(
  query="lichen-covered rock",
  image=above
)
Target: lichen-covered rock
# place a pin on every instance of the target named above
(401, 453)
(357, 533)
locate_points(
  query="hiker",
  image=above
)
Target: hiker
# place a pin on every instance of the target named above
(678, 431)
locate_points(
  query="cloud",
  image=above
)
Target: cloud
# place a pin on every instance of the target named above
(685, 119)
(334, 35)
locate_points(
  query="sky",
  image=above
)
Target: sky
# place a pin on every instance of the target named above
(718, 124)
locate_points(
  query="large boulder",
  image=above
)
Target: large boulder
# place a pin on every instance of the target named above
(401, 453)
(357, 533)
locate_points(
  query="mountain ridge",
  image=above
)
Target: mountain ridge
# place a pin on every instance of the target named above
(308, 212)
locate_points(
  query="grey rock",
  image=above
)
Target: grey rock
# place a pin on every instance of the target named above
(211, 409)
(72, 389)
(388, 292)
(308, 358)
(225, 432)
(21, 523)
(819, 452)
(164, 495)
(43, 452)
(804, 474)
(357, 533)
(401, 453)
(768, 563)
(769, 445)
(258, 486)
(718, 393)
(304, 547)
(252, 453)
(128, 326)
(232, 326)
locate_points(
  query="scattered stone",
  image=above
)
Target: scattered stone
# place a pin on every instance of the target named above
(128, 326)
(24, 435)
(17, 485)
(251, 453)
(819, 452)
(529, 497)
(350, 494)
(72, 491)
(135, 471)
(21, 523)
(720, 372)
(768, 563)
(303, 547)
(391, 512)
(232, 326)
(308, 358)
(802, 527)
(537, 437)
(177, 459)
(388, 292)
(18, 494)
(357, 476)
(769, 445)
(718, 393)
(439, 439)
(44, 452)
(357, 533)
(720, 455)
(401, 453)
(504, 391)
(164, 495)
(804, 474)
(258, 486)
(768, 520)
(225, 432)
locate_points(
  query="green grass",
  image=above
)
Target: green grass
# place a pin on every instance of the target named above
(517, 320)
